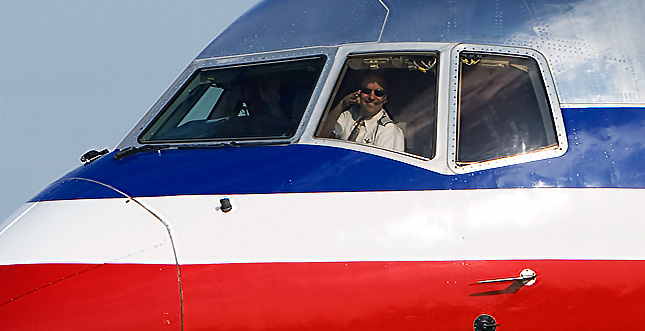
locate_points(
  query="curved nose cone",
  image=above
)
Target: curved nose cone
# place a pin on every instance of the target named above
(88, 264)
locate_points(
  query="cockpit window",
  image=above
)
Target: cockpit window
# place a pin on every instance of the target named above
(503, 109)
(244, 102)
(386, 100)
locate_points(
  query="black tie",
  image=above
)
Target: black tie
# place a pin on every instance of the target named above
(355, 130)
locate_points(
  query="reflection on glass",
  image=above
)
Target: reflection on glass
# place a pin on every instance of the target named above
(503, 108)
(244, 102)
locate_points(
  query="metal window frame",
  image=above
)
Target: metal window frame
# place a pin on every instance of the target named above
(329, 53)
(444, 160)
(438, 162)
(453, 100)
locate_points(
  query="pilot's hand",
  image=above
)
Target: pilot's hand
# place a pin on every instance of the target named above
(350, 99)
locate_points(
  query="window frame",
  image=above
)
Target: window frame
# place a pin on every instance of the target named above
(552, 101)
(342, 76)
(206, 70)
(437, 164)
(447, 84)
(328, 53)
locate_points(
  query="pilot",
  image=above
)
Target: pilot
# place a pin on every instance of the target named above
(360, 117)
(263, 96)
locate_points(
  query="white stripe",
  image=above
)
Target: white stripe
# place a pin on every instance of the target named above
(545, 223)
(86, 231)
(493, 224)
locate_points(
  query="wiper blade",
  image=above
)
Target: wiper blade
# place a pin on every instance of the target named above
(211, 145)
(146, 148)
(134, 150)
(232, 143)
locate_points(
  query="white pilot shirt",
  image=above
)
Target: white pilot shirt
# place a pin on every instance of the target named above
(371, 131)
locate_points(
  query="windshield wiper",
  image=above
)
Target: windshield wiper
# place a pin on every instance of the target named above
(147, 148)
(134, 150)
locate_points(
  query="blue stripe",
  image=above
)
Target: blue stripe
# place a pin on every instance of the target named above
(606, 149)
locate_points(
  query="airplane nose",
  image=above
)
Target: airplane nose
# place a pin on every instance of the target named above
(67, 264)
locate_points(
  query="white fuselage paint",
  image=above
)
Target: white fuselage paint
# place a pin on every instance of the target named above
(86, 231)
(443, 225)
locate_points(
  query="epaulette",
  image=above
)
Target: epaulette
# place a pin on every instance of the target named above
(385, 120)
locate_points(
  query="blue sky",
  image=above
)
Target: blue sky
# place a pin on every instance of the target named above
(77, 75)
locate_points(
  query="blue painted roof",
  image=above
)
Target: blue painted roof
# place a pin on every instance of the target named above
(594, 47)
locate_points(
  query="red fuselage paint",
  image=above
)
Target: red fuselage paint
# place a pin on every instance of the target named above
(576, 294)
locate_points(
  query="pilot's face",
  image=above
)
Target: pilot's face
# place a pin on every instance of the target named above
(372, 98)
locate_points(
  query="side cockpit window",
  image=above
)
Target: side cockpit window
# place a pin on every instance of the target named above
(244, 102)
(504, 110)
(386, 101)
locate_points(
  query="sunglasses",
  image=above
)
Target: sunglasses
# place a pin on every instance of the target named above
(378, 92)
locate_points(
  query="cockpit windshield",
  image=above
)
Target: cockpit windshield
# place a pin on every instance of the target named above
(259, 101)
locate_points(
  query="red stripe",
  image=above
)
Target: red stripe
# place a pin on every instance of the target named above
(321, 296)
(568, 295)
(89, 297)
